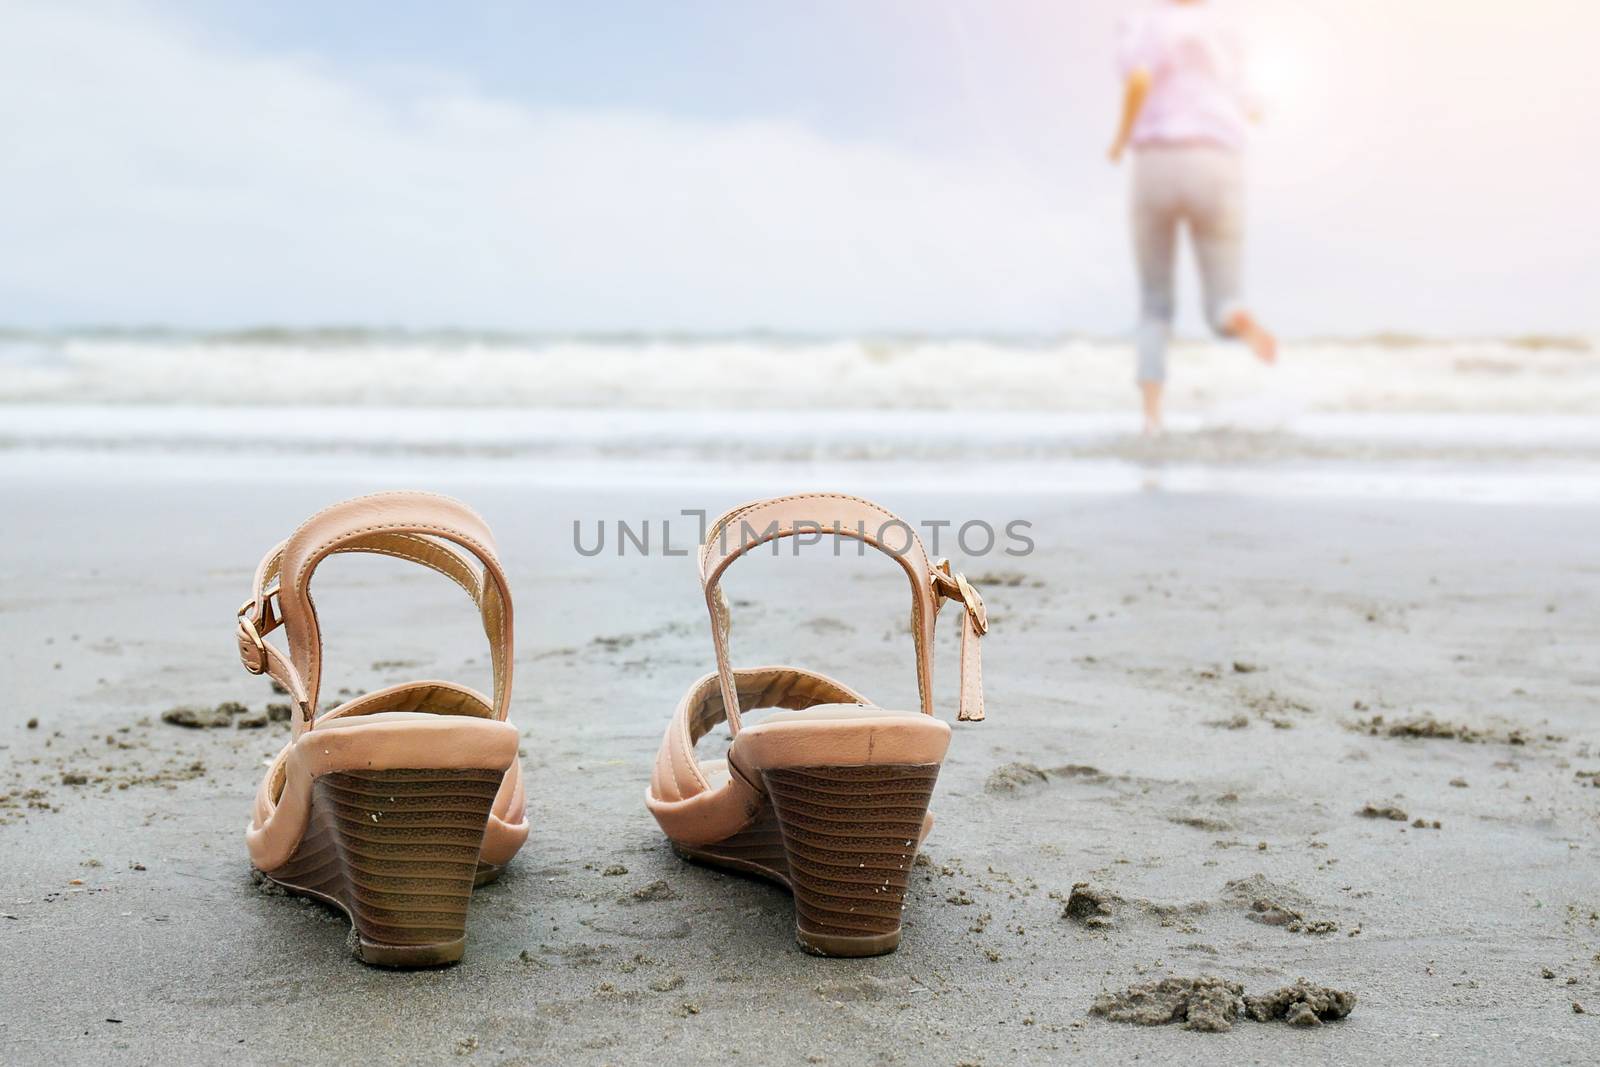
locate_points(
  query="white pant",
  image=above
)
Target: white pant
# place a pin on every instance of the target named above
(1203, 187)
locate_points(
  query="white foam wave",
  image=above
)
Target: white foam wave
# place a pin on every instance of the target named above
(362, 370)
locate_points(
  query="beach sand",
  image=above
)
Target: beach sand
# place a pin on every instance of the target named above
(1191, 702)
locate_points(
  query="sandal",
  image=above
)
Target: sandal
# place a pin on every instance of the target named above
(393, 806)
(829, 797)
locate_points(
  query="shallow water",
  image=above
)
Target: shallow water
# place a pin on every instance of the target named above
(1499, 421)
(1489, 458)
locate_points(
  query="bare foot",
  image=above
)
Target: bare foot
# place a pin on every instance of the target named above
(1151, 394)
(1244, 326)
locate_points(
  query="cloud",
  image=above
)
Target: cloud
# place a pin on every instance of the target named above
(154, 175)
(1421, 169)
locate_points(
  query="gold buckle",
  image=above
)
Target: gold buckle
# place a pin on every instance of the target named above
(954, 586)
(248, 629)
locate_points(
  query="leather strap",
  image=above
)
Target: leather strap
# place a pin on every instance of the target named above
(425, 528)
(974, 624)
(677, 773)
(680, 796)
(832, 514)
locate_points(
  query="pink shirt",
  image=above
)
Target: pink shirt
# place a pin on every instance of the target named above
(1196, 60)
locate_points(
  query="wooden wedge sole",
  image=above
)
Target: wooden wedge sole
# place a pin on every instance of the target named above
(397, 851)
(843, 840)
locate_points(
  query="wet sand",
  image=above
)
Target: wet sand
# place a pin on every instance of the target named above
(1193, 699)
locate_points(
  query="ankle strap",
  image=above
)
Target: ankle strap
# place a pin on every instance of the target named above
(832, 514)
(422, 527)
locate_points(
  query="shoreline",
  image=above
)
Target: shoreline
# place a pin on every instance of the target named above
(1499, 458)
(1570, 484)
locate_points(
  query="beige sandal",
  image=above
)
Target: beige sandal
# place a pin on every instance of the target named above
(394, 805)
(828, 798)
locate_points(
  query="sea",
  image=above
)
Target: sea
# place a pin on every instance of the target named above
(1507, 420)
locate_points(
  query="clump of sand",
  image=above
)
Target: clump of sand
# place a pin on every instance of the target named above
(1019, 777)
(1426, 726)
(266, 886)
(1090, 906)
(1271, 904)
(1210, 1005)
(656, 890)
(1383, 811)
(1014, 777)
(199, 718)
(1097, 908)
(1213, 1005)
(1301, 1004)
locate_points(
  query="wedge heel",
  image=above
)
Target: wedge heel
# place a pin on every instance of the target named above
(398, 852)
(850, 837)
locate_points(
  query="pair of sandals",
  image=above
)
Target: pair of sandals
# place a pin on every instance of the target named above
(394, 806)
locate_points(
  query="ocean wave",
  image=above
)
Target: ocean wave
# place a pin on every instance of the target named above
(927, 437)
(364, 368)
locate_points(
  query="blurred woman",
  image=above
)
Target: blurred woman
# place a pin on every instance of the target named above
(1185, 113)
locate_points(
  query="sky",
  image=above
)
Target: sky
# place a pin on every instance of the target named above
(833, 166)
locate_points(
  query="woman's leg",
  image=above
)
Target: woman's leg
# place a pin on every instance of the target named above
(1155, 232)
(1216, 226)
